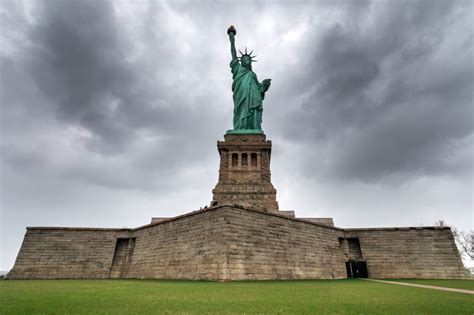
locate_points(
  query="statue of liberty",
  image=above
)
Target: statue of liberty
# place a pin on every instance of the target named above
(248, 93)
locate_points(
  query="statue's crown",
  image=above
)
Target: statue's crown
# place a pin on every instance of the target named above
(247, 54)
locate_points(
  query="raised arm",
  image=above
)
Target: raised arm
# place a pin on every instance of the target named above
(231, 32)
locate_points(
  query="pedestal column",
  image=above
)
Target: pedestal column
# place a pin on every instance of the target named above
(246, 186)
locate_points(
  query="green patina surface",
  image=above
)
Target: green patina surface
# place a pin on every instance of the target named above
(348, 296)
(248, 92)
(244, 131)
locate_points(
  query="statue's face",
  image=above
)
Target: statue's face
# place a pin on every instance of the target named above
(246, 61)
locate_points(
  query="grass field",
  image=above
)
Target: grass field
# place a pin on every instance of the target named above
(197, 297)
(457, 284)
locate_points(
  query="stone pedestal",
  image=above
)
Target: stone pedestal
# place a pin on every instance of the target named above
(244, 173)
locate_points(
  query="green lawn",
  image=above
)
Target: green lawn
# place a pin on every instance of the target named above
(198, 297)
(457, 284)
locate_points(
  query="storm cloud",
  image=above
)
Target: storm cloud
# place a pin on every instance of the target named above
(110, 110)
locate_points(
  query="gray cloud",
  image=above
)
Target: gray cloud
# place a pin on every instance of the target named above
(388, 93)
(80, 64)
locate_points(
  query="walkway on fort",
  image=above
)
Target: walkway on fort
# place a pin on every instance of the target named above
(424, 286)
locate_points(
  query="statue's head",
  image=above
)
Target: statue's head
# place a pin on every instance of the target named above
(247, 59)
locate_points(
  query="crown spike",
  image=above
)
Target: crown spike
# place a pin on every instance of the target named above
(241, 53)
(246, 51)
(251, 53)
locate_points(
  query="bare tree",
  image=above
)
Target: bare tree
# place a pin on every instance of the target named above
(464, 241)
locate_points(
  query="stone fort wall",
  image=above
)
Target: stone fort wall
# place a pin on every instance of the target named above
(231, 243)
(66, 253)
(271, 246)
(422, 252)
(186, 247)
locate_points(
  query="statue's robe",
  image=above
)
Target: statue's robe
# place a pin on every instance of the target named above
(248, 95)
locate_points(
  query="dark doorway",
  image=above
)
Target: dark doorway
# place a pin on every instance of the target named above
(122, 257)
(235, 159)
(356, 269)
(245, 161)
(253, 159)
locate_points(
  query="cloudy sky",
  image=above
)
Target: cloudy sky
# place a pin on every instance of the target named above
(110, 110)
